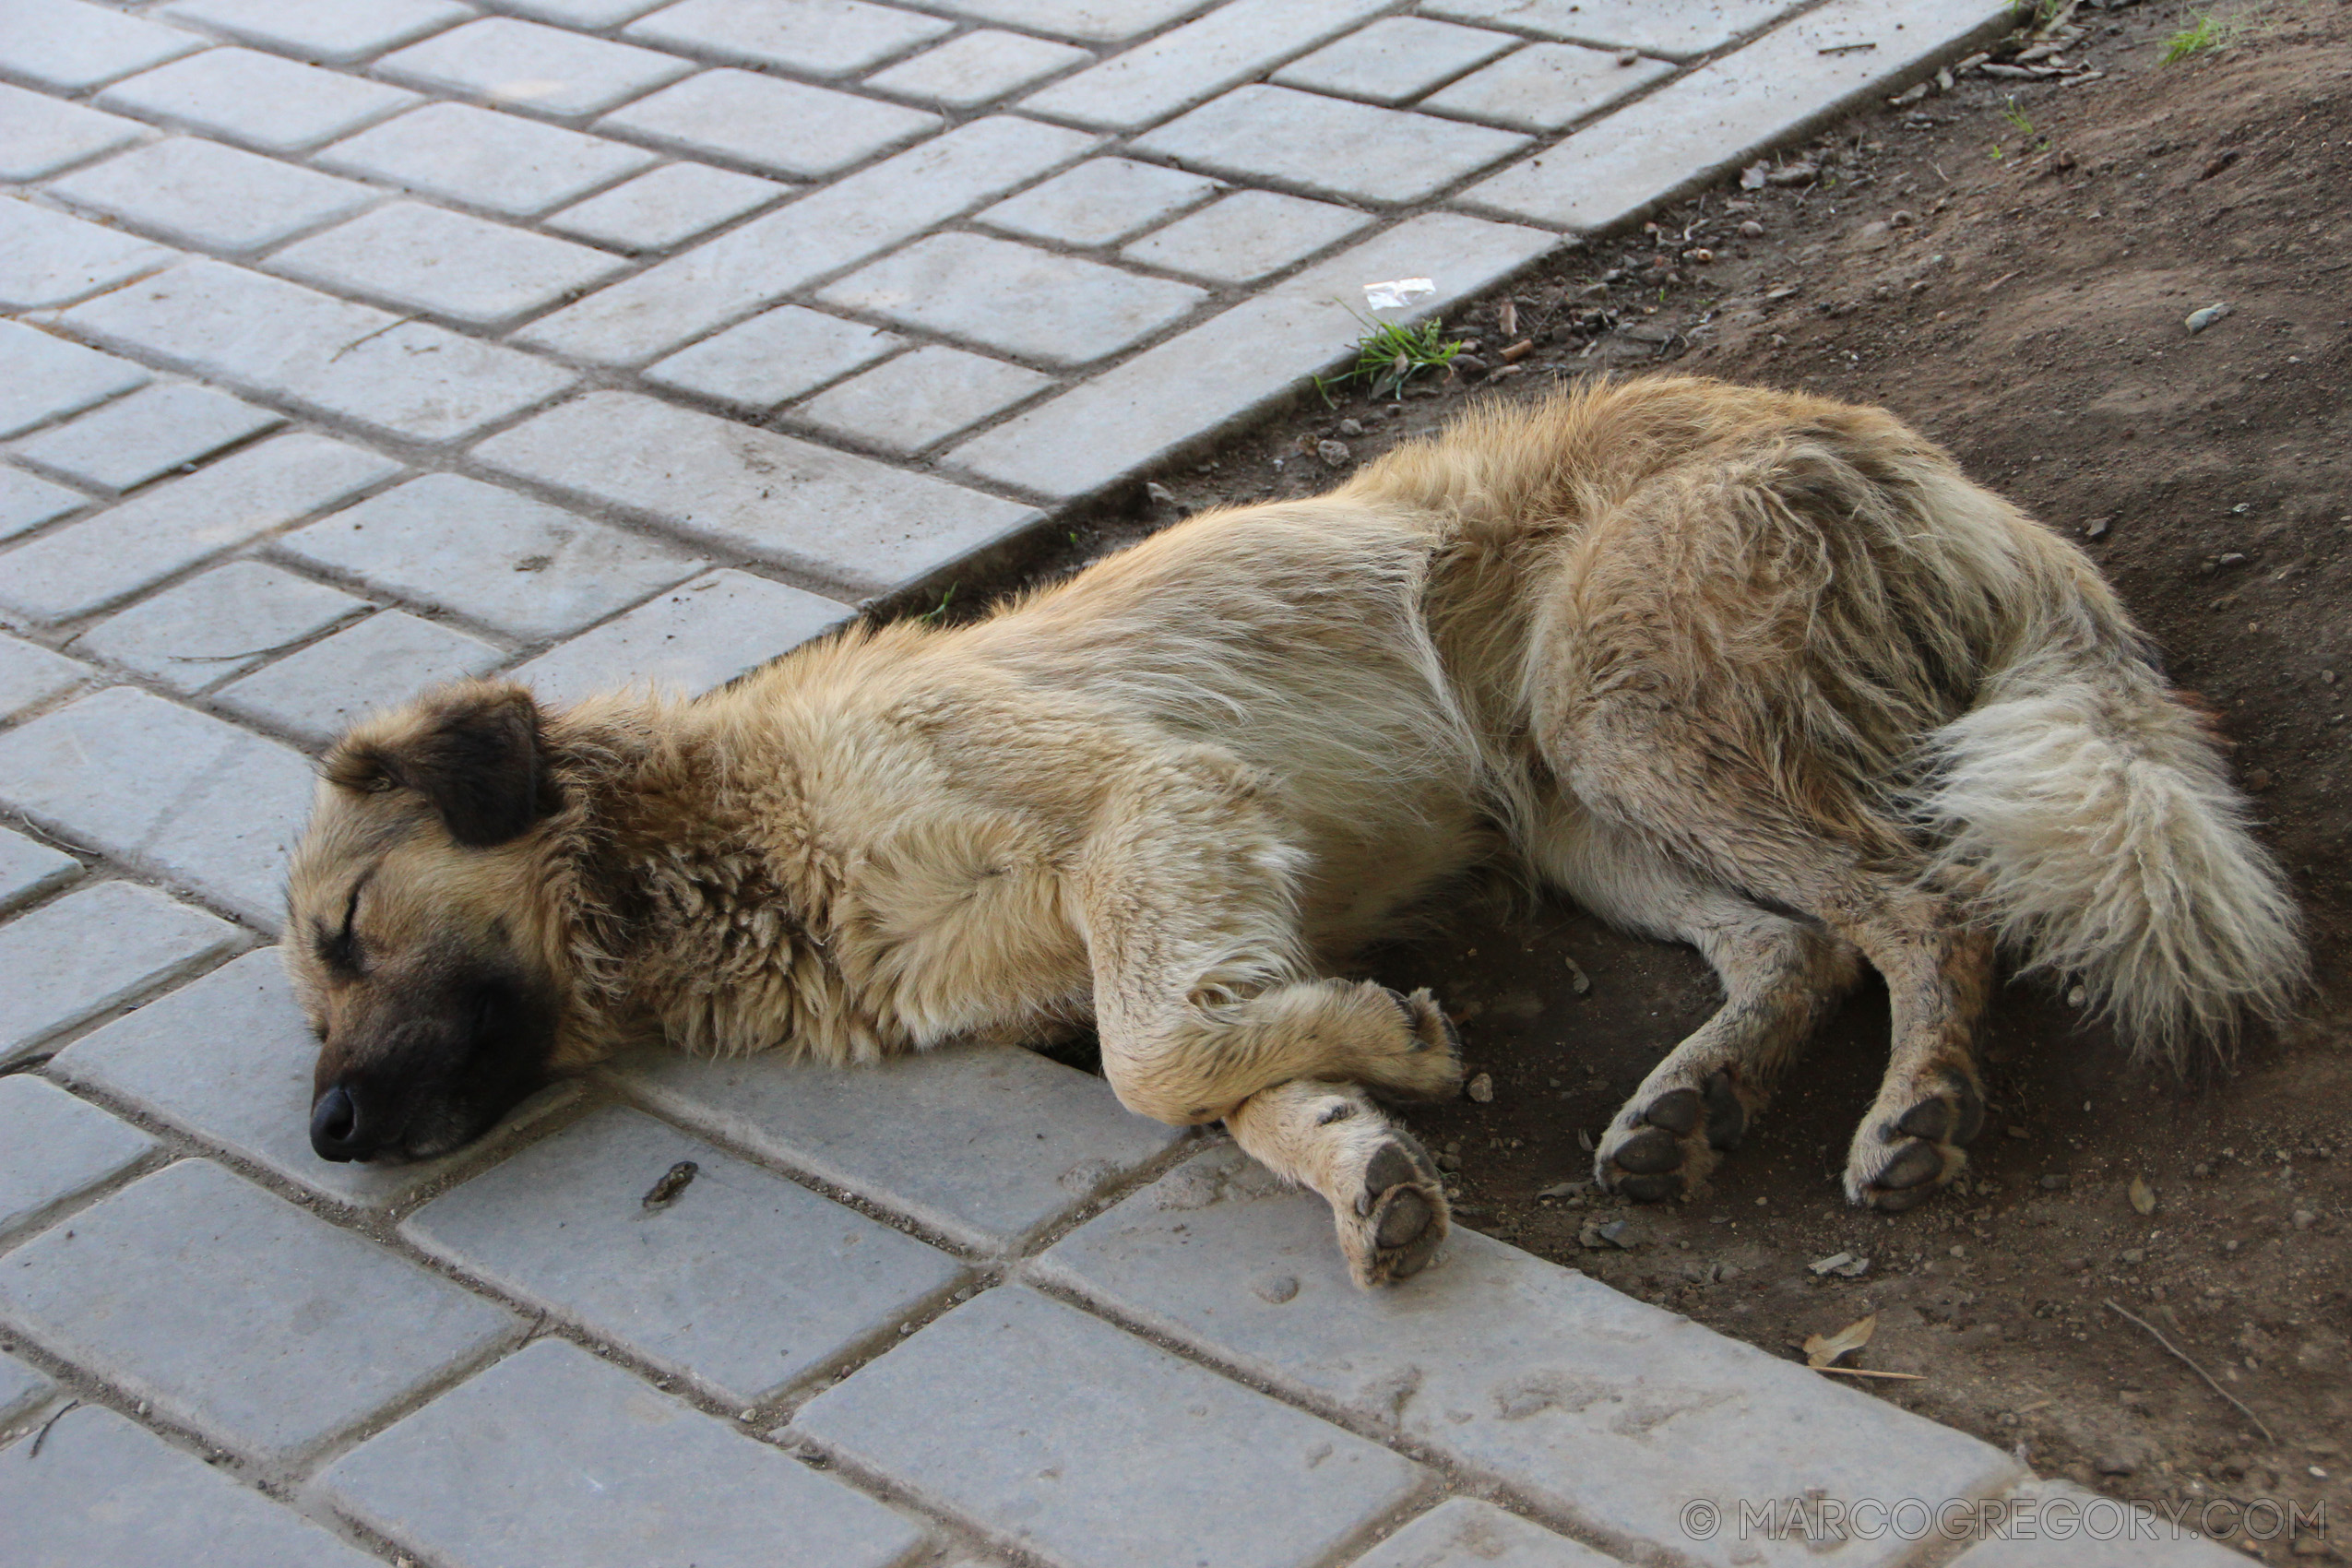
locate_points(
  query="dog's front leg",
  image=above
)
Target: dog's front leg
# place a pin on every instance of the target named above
(1385, 1195)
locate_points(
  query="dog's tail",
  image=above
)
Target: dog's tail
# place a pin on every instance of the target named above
(2087, 811)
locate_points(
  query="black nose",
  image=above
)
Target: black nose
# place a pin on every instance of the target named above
(337, 1131)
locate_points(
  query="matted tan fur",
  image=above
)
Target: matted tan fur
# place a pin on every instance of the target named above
(1750, 670)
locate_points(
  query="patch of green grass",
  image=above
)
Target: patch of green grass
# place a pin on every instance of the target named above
(938, 612)
(1391, 353)
(2018, 118)
(2208, 33)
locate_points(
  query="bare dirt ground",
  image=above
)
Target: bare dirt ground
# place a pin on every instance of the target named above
(2008, 266)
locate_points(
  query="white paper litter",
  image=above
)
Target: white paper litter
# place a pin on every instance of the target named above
(1396, 291)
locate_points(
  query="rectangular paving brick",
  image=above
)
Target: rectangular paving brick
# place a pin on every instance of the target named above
(774, 357)
(48, 258)
(1547, 86)
(814, 38)
(29, 868)
(166, 790)
(1246, 236)
(103, 1491)
(21, 1390)
(75, 956)
(1679, 30)
(554, 1456)
(1100, 202)
(136, 438)
(976, 69)
(1689, 131)
(72, 47)
(1028, 1418)
(782, 127)
(984, 1146)
(416, 257)
(2055, 1523)
(590, 14)
(1096, 21)
(239, 1315)
(316, 693)
(335, 33)
(846, 519)
(39, 136)
(1177, 393)
(405, 378)
(779, 251)
(218, 624)
(30, 674)
(44, 378)
(57, 1149)
(198, 192)
(521, 565)
(502, 163)
(920, 399)
(1395, 60)
(27, 502)
(261, 100)
(699, 635)
(1232, 44)
(1464, 1533)
(743, 1282)
(228, 1057)
(1615, 1414)
(89, 565)
(1382, 156)
(1024, 300)
(674, 203)
(502, 61)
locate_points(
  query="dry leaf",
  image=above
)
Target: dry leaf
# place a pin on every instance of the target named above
(1822, 1352)
(2142, 1196)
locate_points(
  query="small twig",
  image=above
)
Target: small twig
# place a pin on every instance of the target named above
(2189, 1361)
(1865, 1372)
(42, 1436)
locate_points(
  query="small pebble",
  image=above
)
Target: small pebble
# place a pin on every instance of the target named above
(1351, 428)
(2198, 320)
(2305, 1219)
(2131, 1256)
(1334, 454)
(1483, 1089)
(1750, 229)
(2055, 1182)
(1902, 219)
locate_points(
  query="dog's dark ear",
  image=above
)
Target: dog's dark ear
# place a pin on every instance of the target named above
(474, 752)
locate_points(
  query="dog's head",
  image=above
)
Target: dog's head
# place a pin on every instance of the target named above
(419, 920)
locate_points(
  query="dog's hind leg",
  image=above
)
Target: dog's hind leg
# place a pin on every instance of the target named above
(1387, 1200)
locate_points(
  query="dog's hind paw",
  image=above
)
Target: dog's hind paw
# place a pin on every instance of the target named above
(1397, 1218)
(1662, 1146)
(1897, 1161)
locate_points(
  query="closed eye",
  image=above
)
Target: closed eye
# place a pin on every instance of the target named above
(339, 950)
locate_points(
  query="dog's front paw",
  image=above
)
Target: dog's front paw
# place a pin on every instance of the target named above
(1426, 1064)
(1899, 1159)
(1396, 1219)
(1664, 1143)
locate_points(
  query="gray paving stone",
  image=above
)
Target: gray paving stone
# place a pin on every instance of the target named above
(1689, 131)
(1033, 1419)
(73, 47)
(502, 61)
(1232, 44)
(984, 1146)
(1245, 236)
(427, 258)
(39, 136)
(1101, 202)
(502, 163)
(57, 1147)
(1614, 1414)
(164, 790)
(1382, 156)
(132, 440)
(30, 674)
(844, 518)
(239, 1315)
(593, 15)
(77, 955)
(42, 378)
(47, 258)
(744, 1284)
(1096, 21)
(1012, 297)
(21, 1389)
(1170, 396)
(784, 127)
(657, 210)
(979, 68)
(1395, 59)
(1547, 86)
(227, 1058)
(700, 635)
(408, 379)
(26, 502)
(199, 192)
(775, 356)
(1679, 29)
(816, 38)
(766, 259)
(28, 868)
(103, 1491)
(317, 694)
(218, 624)
(336, 32)
(503, 559)
(260, 100)
(920, 399)
(2055, 1523)
(1464, 1533)
(89, 565)
(552, 1457)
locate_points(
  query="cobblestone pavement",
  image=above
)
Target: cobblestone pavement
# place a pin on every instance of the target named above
(354, 344)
